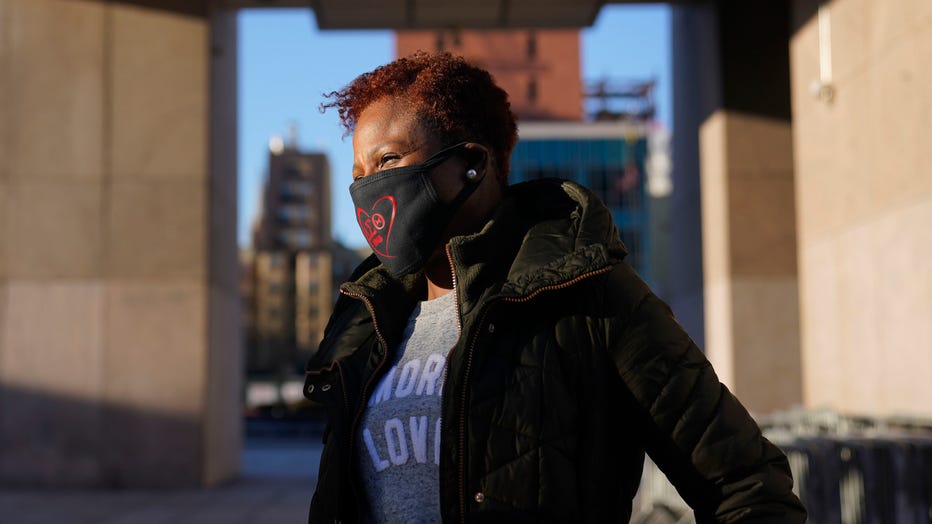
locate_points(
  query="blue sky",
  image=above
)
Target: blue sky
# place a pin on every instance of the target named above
(286, 64)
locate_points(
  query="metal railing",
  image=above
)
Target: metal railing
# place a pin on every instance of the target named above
(847, 470)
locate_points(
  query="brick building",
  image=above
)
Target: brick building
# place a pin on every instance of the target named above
(538, 68)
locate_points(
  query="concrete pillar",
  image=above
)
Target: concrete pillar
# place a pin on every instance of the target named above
(747, 193)
(696, 94)
(223, 420)
(864, 205)
(119, 350)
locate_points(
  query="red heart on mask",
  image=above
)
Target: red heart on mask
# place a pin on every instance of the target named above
(377, 222)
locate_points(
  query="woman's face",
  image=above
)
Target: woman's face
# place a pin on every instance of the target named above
(388, 134)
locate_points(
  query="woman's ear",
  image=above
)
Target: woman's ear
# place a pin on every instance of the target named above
(478, 157)
(482, 159)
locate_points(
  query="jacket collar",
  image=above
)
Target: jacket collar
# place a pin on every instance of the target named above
(559, 231)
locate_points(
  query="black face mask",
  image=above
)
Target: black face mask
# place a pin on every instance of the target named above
(400, 214)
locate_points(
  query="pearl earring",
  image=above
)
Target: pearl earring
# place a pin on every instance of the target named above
(471, 174)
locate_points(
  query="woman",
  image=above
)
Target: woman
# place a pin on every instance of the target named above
(495, 360)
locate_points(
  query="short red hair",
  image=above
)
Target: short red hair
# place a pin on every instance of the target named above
(459, 101)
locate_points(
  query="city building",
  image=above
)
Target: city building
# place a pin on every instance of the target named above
(538, 68)
(295, 201)
(291, 274)
(610, 158)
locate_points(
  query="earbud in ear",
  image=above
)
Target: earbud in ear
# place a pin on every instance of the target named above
(471, 174)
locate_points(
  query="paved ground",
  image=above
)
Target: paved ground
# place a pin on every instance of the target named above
(277, 483)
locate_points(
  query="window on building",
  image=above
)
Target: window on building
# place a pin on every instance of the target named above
(532, 91)
(296, 189)
(531, 46)
(296, 238)
(617, 186)
(304, 166)
(440, 43)
(294, 213)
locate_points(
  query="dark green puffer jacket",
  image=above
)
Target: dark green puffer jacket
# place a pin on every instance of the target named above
(567, 370)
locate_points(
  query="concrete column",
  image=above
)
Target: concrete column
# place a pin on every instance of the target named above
(747, 194)
(223, 420)
(864, 205)
(117, 318)
(749, 250)
(696, 94)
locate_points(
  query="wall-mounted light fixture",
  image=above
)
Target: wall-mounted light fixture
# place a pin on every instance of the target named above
(823, 88)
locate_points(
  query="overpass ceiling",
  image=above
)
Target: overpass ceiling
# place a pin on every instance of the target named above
(418, 14)
(439, 14)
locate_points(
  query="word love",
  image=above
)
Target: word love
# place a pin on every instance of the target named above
(402, 443)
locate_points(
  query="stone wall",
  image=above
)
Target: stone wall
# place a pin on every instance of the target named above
(119, 355)
(864, 205)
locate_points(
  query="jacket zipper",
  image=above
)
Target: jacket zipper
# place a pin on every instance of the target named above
(446, 374)
(384, 344)
(365, 388)
(459, 323)
(462, 419)
(469, 353)
(562, 285)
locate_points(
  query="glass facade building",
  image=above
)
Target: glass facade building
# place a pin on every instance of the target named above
(607, 158)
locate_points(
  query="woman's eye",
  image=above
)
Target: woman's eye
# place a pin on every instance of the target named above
(388, 158)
